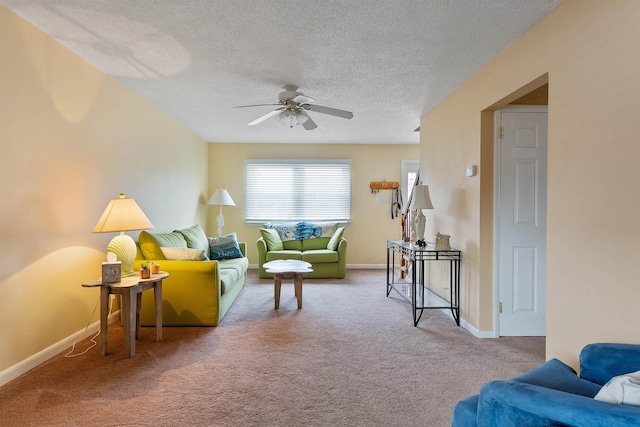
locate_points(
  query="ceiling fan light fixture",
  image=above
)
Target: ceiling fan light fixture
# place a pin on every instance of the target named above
(285, 117)
(292, 109)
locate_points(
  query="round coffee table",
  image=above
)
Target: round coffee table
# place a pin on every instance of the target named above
(287, 269)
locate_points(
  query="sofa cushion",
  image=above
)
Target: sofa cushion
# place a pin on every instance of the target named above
(272, 239)
(184, 254)
(335, 239)
(150, 243)
(230, 271)
(319, 256)
(292, 245)
(228, 279)
(239, 264)
(558, 376)
(274, 255)
(318, 243)
(195, 237)
(224, 247)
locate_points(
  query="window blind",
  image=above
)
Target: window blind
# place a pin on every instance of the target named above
(297, 190)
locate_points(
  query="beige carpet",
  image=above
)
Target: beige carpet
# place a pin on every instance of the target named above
(350, 357)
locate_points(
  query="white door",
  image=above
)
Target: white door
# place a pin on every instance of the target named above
(522, 222)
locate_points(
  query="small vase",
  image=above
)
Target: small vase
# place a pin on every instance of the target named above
(145, 273)
(155, 268)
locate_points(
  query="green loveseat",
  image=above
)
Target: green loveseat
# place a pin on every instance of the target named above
(327, 255)
(196, 293)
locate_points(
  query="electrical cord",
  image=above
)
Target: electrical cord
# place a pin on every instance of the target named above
(93, 338)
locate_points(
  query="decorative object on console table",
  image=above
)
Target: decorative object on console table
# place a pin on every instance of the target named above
(222, 198)
(420, 201)
(442, 242)
(123, 214)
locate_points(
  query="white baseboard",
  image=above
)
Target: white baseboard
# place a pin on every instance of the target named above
(28, 364)
(477, 333)
(463, 323)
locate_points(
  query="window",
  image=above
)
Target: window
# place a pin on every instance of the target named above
(297, 190)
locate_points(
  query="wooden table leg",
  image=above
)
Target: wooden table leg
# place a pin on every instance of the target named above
(297, 284)
(157, 293)
(104, 319)
(129, 324)
(277, 283)
(138, 307)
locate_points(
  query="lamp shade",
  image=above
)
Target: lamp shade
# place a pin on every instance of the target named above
(221, 197)
(122, 214)
(421, 199)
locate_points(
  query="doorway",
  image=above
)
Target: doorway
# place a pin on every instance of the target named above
(409, 171)
(520, 218)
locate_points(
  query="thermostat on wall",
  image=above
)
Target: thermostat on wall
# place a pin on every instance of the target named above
(471, 170)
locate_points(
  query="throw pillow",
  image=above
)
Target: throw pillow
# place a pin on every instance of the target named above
(623, 389)
(335, 239)
(272, 239)
(150, 243)
(224, 247)
(184, 254)
(195, 237)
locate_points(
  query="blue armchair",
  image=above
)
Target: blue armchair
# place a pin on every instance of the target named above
(552, 394)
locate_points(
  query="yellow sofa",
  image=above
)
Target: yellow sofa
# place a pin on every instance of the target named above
(196, 293)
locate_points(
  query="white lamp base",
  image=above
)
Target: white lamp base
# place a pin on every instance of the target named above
(125, 249)
(419, 226)
(220, 219)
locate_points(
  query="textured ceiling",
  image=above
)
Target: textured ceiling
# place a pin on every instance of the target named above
(387, 61)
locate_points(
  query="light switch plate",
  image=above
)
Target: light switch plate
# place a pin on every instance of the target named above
(471, 170)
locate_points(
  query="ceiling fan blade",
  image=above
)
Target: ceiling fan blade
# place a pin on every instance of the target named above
(265, 117)
(302, 99)
(330, 111)
(309, 124)
(255, 105)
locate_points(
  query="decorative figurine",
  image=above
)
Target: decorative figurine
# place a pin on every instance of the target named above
(442, 242)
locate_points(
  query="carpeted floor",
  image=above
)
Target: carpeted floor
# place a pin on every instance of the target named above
(350, 357)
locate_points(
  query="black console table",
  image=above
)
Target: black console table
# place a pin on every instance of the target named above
(414, 292)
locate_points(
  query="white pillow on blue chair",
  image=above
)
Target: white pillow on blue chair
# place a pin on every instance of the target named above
(623, 389)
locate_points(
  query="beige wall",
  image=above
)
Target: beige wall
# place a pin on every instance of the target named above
(588, 51)
(371, 224)
(70, 140)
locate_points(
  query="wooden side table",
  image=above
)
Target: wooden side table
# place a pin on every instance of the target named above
(287, 269)
(130, 288)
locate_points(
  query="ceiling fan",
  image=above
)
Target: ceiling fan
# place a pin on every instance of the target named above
(292, 109)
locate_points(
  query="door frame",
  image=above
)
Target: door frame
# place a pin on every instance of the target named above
(496, 200)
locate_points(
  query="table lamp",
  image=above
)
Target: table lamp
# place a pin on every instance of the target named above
(123, 214)
(221, 197)
(420, 201)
